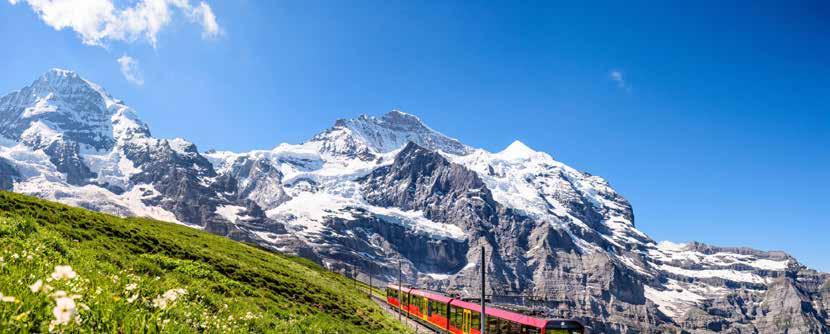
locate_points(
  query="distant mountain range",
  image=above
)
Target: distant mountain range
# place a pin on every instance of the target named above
(372, 191)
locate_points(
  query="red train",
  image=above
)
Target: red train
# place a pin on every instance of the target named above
(455, 316)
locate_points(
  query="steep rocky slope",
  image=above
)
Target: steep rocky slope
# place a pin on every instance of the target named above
(373, 191)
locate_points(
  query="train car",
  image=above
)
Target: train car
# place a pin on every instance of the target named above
(454, 316)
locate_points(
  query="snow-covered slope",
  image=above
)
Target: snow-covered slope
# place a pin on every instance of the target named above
(371, 191)
(65, 138)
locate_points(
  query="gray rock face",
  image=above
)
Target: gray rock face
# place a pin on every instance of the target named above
(787, 308)
(258, 180)
(420, 179)
(374, 192)
(377, 237)
(66, 156)
(8, 175)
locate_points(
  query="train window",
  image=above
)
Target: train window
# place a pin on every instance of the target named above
(529, 330)
(438, 308)
(492, 324)
(504, 326)
(515, 327)
(455, 317)
(475, 320)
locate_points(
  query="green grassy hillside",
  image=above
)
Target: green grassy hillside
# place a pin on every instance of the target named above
(140, 275)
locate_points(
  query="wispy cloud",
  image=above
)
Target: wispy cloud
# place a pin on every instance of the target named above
(617, 77)
(99, 21)
(204, 14)
(130, 70)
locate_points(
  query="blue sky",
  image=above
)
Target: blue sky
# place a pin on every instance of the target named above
(711, 118)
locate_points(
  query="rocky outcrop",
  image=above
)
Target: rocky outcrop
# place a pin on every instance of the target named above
(8, 175)
(66, 156)
(420, 179)
(787, 309)
(378, 237)
(258, 180)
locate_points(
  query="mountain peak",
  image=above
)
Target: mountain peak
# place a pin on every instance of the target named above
(392, 119)
(517, 150)
(386, 133)
(69, 83)
(396, 116)
(63, 102)
(57, 77)
(61, 72)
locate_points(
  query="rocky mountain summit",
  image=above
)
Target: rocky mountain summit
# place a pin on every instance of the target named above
(375, 191)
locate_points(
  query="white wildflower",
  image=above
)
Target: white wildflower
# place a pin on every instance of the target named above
(59, 294)
(7, 299)
(168, 298)
(130, 300)
(64, 273)
(131, 287)
(64, 310)
(37, 286)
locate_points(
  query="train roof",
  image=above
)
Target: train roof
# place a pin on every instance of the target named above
(497, 312)
(504, 314)
(430, 295)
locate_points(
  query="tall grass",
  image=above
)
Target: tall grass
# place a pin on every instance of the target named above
(71, 270)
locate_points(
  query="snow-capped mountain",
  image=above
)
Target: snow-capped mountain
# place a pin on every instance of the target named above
(373, 191)
(64, 138)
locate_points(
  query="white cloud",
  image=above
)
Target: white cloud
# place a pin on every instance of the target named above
(99, 21)
(617, 77)
(130, 70)
(204, 15)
